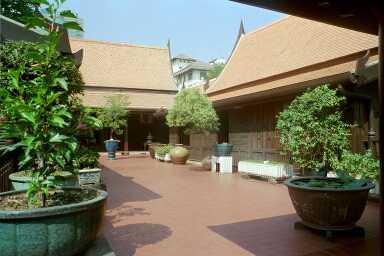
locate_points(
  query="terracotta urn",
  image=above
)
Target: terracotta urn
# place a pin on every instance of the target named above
(179, 155)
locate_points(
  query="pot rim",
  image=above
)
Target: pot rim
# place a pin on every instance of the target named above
(110, 140)
(289, 183)
(26, 179)
(54, 210)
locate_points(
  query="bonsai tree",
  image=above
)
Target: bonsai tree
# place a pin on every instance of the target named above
(312, 130)
(192, 112)
(38, 87)
(114, 114)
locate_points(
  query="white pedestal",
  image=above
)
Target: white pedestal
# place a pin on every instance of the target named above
(225, 163)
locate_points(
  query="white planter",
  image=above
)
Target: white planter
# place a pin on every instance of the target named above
(376, 190)
(90, 176)
(275, 171)
(167, 158)
(225, 164)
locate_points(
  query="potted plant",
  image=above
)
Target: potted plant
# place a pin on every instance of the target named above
(162, 152)
(313, 133)
(223, 149)
(114, 116)
(191, 112)
(36, 95)
(89, 170)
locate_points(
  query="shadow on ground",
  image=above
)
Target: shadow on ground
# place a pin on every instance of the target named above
(277, 236)
(123, 189)
(126, 239)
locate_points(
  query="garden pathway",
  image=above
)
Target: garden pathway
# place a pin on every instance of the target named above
(157, 209)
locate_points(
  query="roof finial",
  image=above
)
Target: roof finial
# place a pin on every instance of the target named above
(169, 48)
(241, 29)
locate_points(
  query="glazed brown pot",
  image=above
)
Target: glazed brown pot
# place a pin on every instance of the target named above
(328, 208)
(179, 155)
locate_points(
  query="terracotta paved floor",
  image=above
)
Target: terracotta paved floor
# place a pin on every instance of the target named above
(161, 209)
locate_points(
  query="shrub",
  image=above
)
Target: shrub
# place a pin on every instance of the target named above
(162, 150)
(193, 112)
(114, 114)
(312, 130)
(358, 165)
(87, 158)
(36, 104)
(29, 56)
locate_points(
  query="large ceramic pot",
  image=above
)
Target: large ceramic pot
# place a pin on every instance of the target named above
(65, 230)
(328, 208)
(20, 181)
(223, 149)
(179, 155)
(111, 146)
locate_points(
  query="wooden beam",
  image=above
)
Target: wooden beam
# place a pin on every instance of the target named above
(381, 128)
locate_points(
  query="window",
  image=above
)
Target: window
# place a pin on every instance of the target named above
(189, 76)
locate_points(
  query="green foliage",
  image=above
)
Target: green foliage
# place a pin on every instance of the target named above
(359, 165)
(193, 112)
(114, 114)
(15, 54)
(35, 104)
(87, 158)
(17, 9)
(215, 71)
(312, 130)
(162, 150)
(336, 183)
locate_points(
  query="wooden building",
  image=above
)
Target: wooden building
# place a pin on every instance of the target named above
(141, 73)
(271, 65)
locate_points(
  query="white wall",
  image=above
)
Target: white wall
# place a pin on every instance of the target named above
(194, 81)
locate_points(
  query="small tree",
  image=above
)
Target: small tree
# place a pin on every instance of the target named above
(192, 112)
(312, 130)
(215, 71)
(36, 97)
(114, 114)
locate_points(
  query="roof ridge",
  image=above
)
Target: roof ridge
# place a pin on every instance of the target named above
(117, 43)
(270, 24)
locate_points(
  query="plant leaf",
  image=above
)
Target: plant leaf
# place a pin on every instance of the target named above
(72, 25)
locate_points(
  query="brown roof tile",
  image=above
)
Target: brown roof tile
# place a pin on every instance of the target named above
(138, 99)
(121, 65)
(289, 44)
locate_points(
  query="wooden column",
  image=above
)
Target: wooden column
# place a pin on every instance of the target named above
(126, 147)
(381, 127)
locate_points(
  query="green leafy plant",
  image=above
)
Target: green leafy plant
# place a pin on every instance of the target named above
(162, 150)
(363, 166)
(192, 112)
(35, 105)
(17, 9)
(312, 130)
(215, 71)
(114, 114)
(87, 158)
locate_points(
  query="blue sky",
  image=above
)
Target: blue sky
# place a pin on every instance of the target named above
(204, 29)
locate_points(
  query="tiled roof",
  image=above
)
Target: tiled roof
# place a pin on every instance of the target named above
(183, 57)
(138, 99)
(284, 48)
(121, 65)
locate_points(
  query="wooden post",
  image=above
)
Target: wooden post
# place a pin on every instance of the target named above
(381, 128)
(126, 147)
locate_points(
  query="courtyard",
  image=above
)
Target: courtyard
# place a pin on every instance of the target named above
(157, 208)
